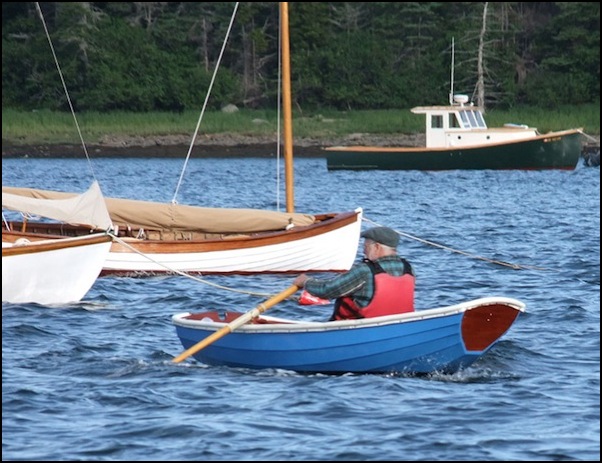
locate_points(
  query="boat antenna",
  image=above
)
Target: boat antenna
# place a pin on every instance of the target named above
(451, 86)
(56, 62)
(196, 131)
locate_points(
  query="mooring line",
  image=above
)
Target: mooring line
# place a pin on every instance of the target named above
(180, 272)
(457, 251)
(587, 136)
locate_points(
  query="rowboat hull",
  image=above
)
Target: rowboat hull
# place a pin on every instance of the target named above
(555, 150)
(436, 340)
(51, 272)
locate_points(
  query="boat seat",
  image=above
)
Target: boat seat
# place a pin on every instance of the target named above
(227, 317)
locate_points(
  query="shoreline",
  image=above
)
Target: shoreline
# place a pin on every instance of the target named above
(228, 145)
(158, 151)
(216, 145)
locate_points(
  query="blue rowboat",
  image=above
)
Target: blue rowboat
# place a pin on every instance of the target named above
(444, 339)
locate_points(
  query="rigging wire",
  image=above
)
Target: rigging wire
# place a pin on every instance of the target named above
(5, 222)
(457, 251)
(172, 270)
(41, 15)
(196, 131)
(278, 119)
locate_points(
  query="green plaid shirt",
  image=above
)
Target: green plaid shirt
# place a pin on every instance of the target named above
(357, 282)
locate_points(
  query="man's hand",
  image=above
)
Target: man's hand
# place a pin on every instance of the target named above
(300, 280)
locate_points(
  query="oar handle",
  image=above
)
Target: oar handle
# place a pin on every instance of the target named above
(236, 323)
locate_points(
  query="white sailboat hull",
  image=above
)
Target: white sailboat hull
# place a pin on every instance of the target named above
(51, 272)
(334, 250)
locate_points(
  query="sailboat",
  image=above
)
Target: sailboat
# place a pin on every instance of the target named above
(163, 238)
(55, 271)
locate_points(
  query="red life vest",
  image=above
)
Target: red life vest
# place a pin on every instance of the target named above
(392, 295)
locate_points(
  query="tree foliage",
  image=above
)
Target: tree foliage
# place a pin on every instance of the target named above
(145, 56)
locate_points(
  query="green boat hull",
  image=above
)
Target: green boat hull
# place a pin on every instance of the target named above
(558, 150)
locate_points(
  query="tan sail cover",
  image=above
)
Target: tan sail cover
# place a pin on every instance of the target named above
(175, 217)
(88, 208)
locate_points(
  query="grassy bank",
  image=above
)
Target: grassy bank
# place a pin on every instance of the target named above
(46, 127)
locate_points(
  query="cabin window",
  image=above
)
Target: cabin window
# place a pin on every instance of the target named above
(437, 121)
(480, 121)
(464, 119)
(454, 123)
(471, 119)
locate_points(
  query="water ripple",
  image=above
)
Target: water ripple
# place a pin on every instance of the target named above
(95, 380)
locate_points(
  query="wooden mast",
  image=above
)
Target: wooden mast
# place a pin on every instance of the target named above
(286, 108)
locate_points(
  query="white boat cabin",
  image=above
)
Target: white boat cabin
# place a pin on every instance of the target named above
(463, 125)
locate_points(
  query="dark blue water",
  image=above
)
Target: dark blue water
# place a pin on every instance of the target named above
(95, 381)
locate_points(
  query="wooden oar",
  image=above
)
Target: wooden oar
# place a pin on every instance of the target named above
(236, 323)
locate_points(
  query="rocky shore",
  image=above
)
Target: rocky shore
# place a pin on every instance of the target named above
(216, 145)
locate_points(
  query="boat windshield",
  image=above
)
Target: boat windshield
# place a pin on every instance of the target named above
(473, 122)
(480, 120)
(473, 119)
